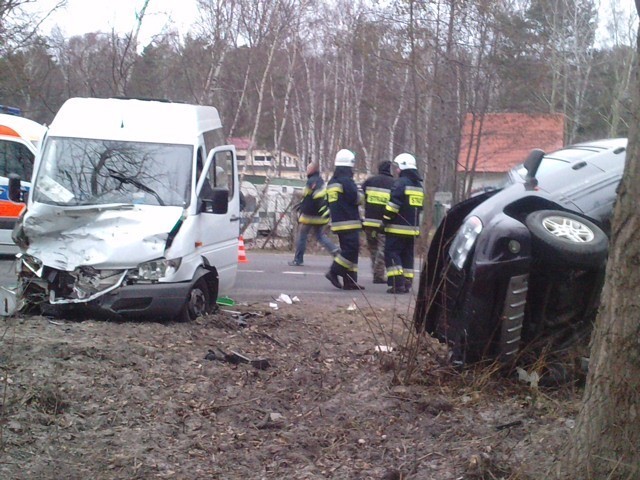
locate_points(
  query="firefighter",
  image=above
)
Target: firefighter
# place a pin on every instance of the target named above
(402, 223)
(344, 198)
(314, 216)
(377, 192)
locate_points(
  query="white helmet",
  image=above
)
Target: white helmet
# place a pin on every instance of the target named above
(405, 161)
(345, 158)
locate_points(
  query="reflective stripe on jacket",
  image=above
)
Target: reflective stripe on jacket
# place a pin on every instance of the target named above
(402, 212)
(343, 198)
(313, 207)
(377, 193)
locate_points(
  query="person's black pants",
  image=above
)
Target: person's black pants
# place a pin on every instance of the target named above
(398, 258)
(346, 263)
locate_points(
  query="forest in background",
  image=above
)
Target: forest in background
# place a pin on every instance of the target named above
(378, 77)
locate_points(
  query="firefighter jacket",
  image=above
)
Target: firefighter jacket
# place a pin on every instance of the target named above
(402, 213)
(313, 207)
(377, 193)
(344, 198)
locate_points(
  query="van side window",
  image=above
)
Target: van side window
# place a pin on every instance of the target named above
(213, 138)
(222, 173)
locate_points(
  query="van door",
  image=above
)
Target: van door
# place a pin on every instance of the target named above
(219, 232)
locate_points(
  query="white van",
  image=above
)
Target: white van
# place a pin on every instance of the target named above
(19, 139)
(134, 210)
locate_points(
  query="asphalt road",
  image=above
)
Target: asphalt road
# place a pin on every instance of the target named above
(266, 276)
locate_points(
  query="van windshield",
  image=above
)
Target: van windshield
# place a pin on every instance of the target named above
(80, 171)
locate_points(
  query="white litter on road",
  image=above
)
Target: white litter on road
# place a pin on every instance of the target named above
(284, 298)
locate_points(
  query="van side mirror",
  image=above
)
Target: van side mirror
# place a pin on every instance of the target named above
(15, 188)
(533, 161)
(216, 202)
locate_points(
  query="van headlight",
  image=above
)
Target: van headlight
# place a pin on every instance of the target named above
(464, 241)
(156, 269)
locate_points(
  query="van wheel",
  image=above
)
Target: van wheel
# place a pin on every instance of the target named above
(198, 301)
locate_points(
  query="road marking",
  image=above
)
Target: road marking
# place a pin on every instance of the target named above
(302, 273)
(250, 271)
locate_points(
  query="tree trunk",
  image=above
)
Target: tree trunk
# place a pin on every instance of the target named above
(607, 434)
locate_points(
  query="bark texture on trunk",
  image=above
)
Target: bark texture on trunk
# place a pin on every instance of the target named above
(606, 443)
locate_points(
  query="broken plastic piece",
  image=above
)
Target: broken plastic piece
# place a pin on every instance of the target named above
(236, 358)
(531, 378)
(384, 348)
(285, 298)
(8, 302)
(226, 301)
(260, 363)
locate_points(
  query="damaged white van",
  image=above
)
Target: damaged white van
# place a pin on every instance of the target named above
(133, 211)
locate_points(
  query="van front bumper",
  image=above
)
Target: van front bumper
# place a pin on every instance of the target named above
(149, 301)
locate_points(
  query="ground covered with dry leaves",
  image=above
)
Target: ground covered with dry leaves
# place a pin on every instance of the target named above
(286, 394)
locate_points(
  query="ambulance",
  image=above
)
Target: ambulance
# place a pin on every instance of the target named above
(19, 140)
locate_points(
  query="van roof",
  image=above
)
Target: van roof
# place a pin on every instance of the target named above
(133, 120)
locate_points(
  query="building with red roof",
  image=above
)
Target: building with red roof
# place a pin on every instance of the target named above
(494, 143)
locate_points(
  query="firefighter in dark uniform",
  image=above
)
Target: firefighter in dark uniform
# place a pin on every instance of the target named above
(377, 193)
(344, 198)
(402, 224)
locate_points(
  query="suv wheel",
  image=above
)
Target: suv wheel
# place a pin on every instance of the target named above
(567, 240)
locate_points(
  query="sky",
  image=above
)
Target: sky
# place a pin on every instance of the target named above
(81, 16)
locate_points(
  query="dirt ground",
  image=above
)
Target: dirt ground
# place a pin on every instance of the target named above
(295, 393)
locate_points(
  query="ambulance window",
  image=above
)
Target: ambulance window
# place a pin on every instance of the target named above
(15, 158)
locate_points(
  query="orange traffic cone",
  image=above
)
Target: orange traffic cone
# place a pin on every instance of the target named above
(242, 253)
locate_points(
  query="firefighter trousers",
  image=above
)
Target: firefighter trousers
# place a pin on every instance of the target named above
(398, 258)
(346, 262)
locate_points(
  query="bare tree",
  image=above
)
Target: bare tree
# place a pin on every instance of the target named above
(219, 26)
(18, 27)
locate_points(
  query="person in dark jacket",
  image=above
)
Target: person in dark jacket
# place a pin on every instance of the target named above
(344, 198)
(377, 193)
(402, 224)
(314, 216)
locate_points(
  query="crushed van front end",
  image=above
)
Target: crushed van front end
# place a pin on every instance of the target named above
(121, 292)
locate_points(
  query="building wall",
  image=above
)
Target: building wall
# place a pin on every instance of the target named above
(263, 162)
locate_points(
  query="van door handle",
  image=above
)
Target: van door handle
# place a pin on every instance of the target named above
(234, 219)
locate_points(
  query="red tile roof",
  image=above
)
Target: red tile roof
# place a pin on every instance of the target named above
(507, 139)
(241, 143)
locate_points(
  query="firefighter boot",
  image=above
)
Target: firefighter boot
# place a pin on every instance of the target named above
(333, 278)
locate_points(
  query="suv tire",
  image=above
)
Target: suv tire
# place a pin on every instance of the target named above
(565, 239)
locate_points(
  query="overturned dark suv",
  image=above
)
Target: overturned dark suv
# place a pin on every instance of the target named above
(525, 262)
